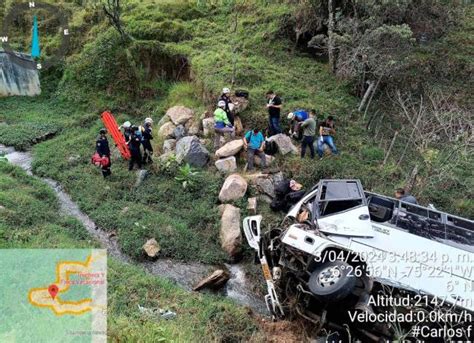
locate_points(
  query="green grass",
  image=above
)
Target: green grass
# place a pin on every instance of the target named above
(30, 218)
(184, 222)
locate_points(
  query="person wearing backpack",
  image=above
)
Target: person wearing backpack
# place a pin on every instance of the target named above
(103, 150)
(254, 144)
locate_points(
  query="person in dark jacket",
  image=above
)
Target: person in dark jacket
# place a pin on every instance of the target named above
(401, 195)
(229, 105)
(146, 141)
(127, 130)
(102, 148)
(274, 105)
(287, 193)
(134, 144)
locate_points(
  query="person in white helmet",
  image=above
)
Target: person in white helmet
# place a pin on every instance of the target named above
(127, 130)
(225, 96)
(147, 136)
(222, 124)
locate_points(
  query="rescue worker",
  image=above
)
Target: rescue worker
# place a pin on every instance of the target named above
(102, 148)
(134, 143)
(146, 141)
(222, 124)
(229, 105)
(127, 130)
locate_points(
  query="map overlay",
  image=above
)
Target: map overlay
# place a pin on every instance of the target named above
(53, 295)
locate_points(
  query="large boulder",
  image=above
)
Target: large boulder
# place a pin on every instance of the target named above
(180, 114)
(169, 145)
(230, 235)
(230, 149)
(214, 281)
(227, 165)
(166, 130)
(208, 126)
(240, 104)
(285, 146)
(190, 150)
(193, 127)
(164, 119)
(265, 186)
(234, 188)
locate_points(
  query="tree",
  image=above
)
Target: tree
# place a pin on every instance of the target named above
(113, 11)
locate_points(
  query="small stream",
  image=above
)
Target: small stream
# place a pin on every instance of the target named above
(184, 274)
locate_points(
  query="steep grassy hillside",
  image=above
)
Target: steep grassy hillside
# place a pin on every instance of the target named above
(183, 53)
(30, 218)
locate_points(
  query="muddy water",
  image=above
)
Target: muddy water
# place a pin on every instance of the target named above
(184, 274)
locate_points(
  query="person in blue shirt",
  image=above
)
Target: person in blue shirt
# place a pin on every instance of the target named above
(296, 119)
(254, 144)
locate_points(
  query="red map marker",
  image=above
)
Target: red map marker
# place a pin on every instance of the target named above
(53, 291)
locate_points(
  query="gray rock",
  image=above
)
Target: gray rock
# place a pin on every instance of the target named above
(240, 104)
(169, 145)
(179, 132)
(230, 234)
(163, 120)
(166, 130)
(73, 159)
(227, 165)
(234, 188)
(214, 281)
(180, 114)
(208, 126)
(285, 146)
(265, 186)
(193, 127)
(141, 176)
(190, 150)
(277, 178)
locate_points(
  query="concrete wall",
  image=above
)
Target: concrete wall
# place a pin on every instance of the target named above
(16, 80)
